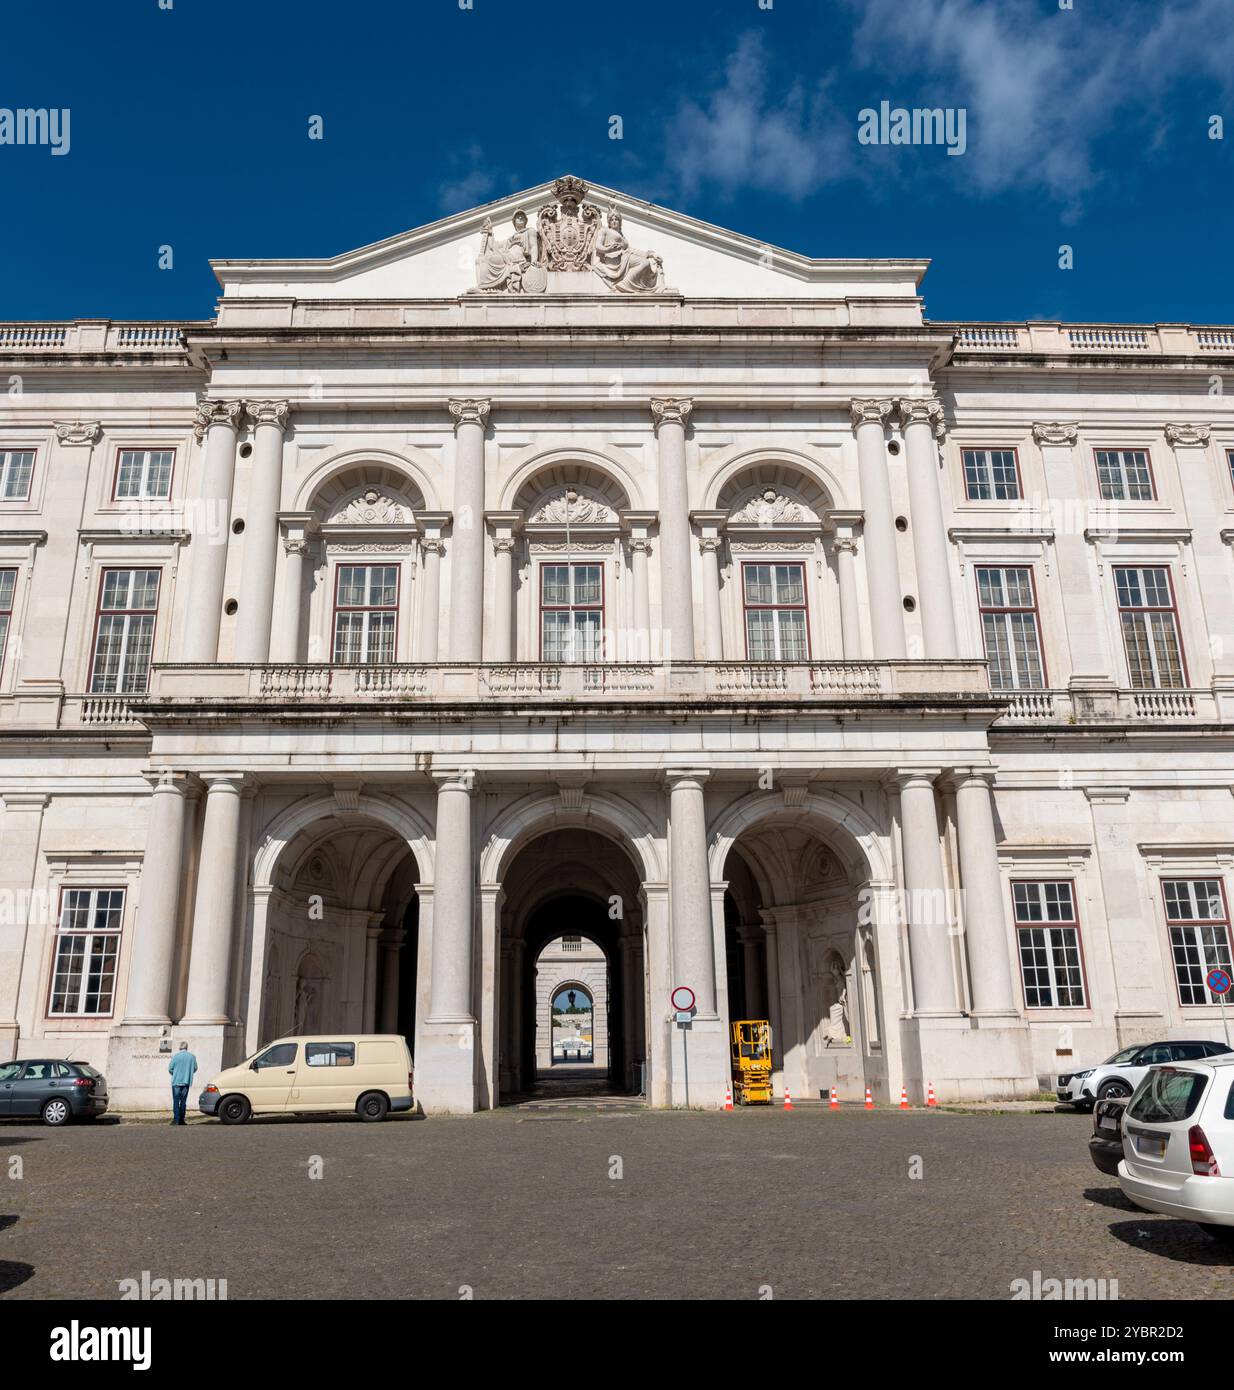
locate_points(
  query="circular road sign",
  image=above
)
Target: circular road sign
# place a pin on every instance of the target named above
(1218, 981)
(682, 998)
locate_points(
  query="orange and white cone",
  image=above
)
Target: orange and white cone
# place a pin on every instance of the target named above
(869, 1099)
(788, 1100)
(930, 1097)
(835, 1100)
(903, 1098)
(728, 1096)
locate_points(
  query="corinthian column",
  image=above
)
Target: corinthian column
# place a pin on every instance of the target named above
(882, 566)
(676, 591)
(261, 531)
(922, 422)
(210, 524)
(467, 537)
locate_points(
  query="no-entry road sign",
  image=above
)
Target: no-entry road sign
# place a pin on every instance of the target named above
(682, 998)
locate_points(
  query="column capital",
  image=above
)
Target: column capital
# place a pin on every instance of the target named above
(268, 412)
(867, 410)
(921, 410)
(166, 779)
(1188, 436)
(223, 781)
(844, 545)
(676, 777)
(211, 412)
(468, 410)
(455, 779)
(1055, 432)
(915, 777)
(667, 410)
(973, 776)
(77, 432)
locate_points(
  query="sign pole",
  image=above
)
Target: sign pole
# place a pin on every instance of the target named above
(1218, 981)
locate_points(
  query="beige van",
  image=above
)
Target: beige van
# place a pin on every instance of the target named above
(368, 1073)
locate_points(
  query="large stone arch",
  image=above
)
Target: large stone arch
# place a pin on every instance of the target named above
(414, 465)
(611, 816)
(380, 810)
(622, 467)
(827, 810)
(727, 464)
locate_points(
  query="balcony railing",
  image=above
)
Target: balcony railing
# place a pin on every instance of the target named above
(1111, 706)
(89, 336)
(448, 682)
(1104, 339)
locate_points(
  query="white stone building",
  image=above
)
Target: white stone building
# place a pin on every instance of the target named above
(572, 963)
(350, 630)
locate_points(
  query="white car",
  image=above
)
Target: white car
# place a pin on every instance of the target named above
(1178, 1145)
(1118, 1076)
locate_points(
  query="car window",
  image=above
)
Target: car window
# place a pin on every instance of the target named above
(87, 1070)
(1122, 1056)
(37, 1071)
(1166, 1096)
(330, 1054)
(1229, 1103)
(1184, 1052)
(1215, 1049)
(1153, 1056)
(282, 1055)
(9, 1070)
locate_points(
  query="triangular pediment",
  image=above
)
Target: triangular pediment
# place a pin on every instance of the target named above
(600, 243)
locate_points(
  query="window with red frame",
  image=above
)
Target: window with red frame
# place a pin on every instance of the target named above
(1048, 935)
(1008, 606)
(571, 612)
(1149, 622)
(124, 632)
(991, 475)
(775, 612)
(1199, 926)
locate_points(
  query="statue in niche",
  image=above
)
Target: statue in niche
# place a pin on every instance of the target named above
(835, 1002)
(511, 264)
(627, 270)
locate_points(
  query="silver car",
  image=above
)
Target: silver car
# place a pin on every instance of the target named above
(1118, 1076)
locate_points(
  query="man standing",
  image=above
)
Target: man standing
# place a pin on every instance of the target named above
(183, 1067)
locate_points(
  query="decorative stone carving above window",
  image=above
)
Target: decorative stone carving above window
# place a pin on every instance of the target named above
(576, 508)
(372, 507)
(770, 507)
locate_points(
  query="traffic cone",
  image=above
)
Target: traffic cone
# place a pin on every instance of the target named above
(930, 1097)
(728, 1096)
(903, 1098)
(788, 1100)
(869, 1099)
(835, 1101)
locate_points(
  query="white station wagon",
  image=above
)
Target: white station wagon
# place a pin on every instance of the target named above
(1178, 1144)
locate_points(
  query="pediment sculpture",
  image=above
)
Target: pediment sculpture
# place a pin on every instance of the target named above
(573, 507)
(770, 507)
(571, 237)
(372, 507)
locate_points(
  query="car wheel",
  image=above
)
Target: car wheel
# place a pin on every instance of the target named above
(1223, 1234)
(56, 1112)
(373, 1106)
(1113, 1090)
(234, 1110)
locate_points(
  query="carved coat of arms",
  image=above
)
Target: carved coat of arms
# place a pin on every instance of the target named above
(568, 226)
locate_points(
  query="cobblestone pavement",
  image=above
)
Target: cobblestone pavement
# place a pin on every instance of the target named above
(522, 1204)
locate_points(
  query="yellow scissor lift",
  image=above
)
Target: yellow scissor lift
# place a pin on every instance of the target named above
(751, 1048)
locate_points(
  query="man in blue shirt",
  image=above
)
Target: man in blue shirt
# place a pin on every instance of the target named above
(183, 1067)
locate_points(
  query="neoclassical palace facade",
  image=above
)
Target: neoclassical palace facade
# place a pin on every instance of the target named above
(570, 566)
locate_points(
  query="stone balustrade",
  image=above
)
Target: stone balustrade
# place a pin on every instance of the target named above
(1103, 339)
(90, 336)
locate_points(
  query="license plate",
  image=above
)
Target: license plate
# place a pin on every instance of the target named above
(1151, 1145)
(1107, 1122)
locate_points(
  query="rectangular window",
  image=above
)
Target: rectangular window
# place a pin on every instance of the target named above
(87, 947)
(1150, 628)
(1008, 606)
(8, 586)
(124, 636)
(365, 614)
(1049, 942)
(144, 473)
(1124, 475)
(775, 609)
(16, 470)
(338, 1054)
(991, 475)
(1229, 459)
(1199, 926)
(571, 612)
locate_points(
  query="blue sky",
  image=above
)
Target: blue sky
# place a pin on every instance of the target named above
(1086, 126)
